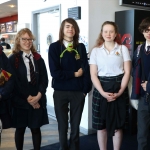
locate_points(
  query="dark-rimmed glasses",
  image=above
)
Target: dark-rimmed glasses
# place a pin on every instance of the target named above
(25, 40)
(147, 30)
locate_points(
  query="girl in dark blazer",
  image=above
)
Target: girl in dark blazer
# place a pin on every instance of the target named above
(6, 88)
(31, 82)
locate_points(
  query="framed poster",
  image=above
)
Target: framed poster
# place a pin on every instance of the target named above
(9, 26)
(3, 28)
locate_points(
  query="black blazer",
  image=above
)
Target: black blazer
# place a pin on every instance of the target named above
(7, 88)
(21, 90)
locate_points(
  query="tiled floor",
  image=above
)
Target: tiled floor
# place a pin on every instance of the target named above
(49, 136)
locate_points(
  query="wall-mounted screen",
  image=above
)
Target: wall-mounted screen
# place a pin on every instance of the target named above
(144, 4)
(2, 28)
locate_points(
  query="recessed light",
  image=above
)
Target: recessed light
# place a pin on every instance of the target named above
(12, 6)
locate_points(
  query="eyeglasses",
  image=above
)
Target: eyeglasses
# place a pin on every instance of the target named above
(25, 40)
(147, 30)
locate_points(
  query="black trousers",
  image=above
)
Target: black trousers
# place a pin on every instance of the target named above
(62, 99)
(143, 125)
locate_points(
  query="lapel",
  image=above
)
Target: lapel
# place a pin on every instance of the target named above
(22, 68)
(35, 64)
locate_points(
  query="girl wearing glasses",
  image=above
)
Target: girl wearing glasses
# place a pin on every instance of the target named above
(29, 104)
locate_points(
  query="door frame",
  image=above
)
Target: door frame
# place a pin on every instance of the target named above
(34, 20)
(34, 29)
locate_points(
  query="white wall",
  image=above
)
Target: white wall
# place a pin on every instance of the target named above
(99, 12)
(93, 14)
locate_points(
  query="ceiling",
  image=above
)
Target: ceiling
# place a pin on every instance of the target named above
(6, 10)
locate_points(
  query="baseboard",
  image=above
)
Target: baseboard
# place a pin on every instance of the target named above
(87, 131)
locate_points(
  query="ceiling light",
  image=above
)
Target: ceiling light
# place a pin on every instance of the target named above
(4, 1)
(12, 6)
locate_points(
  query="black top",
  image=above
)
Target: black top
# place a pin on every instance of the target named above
(21, 89)
(5, 44)
(62, 69)
(7, 88)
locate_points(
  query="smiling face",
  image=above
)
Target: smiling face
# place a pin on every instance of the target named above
(69, 31)
(26, 42)
(146, 34)
(108, 33)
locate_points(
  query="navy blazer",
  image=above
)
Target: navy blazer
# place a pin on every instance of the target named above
(137, 73)
(21, 91)
(7, 89)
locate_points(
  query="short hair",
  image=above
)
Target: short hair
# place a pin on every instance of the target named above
(144, 25)
(3, 39)
(76, 28)
(17, 46)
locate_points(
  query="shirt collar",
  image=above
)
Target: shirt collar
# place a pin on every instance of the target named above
(115, 47)
(66, 43)
(25, 54)
(146, 45)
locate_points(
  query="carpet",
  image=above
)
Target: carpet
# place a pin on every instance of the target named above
(89, 142)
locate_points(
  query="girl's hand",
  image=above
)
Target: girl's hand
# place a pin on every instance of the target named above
(108, 96)
(32, 100)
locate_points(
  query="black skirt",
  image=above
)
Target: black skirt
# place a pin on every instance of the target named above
(32, 118)
(6, 120)
(112, 115)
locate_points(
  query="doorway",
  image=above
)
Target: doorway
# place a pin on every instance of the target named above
(45, 26)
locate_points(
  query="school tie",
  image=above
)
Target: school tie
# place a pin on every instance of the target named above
(32, 73)
(148, 48)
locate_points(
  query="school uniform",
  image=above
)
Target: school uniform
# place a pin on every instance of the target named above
(6, 91)
(68, 89)
(112, 115)
(141, 54)
(24, 115)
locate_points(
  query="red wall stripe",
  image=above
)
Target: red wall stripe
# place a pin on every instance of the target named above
(10, 18)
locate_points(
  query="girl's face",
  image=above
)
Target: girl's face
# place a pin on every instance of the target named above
(69, 31)
(108, 33)
(26, 42)
(146, 34)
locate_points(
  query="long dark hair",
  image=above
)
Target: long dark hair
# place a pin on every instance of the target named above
(77, 31)
(100, 39)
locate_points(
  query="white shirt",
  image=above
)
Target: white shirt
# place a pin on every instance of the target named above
(146, 45)
(109, 63)
(26, 61)
(66, 43)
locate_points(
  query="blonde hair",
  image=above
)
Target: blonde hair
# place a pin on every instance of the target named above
(17, 47)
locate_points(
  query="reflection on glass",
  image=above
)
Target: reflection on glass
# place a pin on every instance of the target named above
(49, 39)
